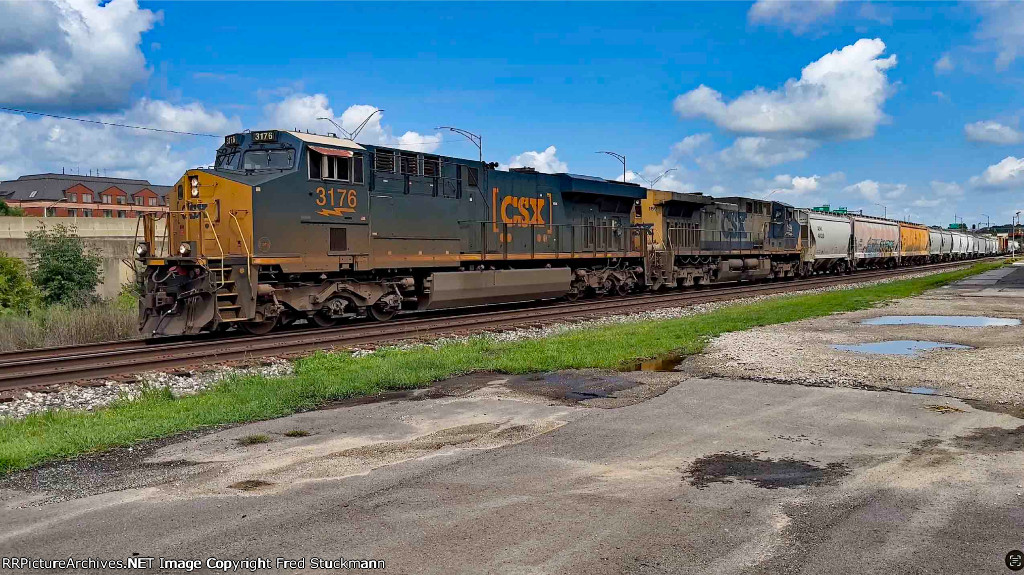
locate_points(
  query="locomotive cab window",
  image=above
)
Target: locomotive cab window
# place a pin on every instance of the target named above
(280, 159)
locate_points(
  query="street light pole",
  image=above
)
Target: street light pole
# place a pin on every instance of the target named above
(651, 183)
(478, 141)
(988, 221)
(885, 211)
(620, 158)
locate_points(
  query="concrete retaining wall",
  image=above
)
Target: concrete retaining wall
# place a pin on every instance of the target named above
(113, 238)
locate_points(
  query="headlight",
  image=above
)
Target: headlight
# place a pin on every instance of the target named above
(142, 250)
(184, 249)
(194, 182)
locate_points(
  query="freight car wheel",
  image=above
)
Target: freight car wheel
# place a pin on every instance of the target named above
(381, 314)
(260, 327)
(321, 319)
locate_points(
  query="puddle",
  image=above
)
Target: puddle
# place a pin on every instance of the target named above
(942, 320)
(764, 473)
(921, 390)
(664, 363)
(569, 385)
(250, 484)
(899, 347)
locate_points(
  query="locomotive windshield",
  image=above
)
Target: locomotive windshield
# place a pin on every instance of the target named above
(227, 159)
(281, 159)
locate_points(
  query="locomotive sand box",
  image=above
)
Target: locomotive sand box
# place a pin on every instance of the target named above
(294, 226)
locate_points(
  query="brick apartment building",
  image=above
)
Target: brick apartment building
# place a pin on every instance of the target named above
(66, 195)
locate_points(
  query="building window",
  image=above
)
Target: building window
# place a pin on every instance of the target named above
(120, 200)
(72, 212)
(73, 198)
(87, 213)
(120, 213)
(50, 212)
(152, 201)
(86, 198)
(32, 194)
(138, 200)
(105, 198)
(108, 213)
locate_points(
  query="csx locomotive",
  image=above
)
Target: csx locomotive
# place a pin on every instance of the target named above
(293, 226)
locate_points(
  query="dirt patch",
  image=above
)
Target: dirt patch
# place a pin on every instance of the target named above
(250, 484)
(988, 440)
(943, 409)
(766, 473)
(449, 437)
(927, 453)
(116, 469)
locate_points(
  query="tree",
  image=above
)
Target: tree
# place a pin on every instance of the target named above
(6, 210)
(16, 291)
(62, 266)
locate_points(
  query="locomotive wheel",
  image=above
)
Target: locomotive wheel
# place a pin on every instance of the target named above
(621, 288)
(381, 314)
(260, 327)
(572, 295)
(320, 319)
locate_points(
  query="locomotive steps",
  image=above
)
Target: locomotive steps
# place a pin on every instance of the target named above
(323, 378)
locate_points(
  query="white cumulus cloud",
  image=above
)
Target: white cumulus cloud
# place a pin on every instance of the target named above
(761, 152)
(873, 191)
(1008, 174)
(546, 162)
(34, 145)
(72, 54)
(839, 96)
(946, 189)
(300, 111)
(798, 17)
(1002, 30)
(992, 132)
(944, 65)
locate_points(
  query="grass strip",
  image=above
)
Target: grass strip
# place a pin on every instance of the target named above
(323, 377)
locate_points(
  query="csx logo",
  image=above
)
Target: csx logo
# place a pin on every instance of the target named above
(522, 211)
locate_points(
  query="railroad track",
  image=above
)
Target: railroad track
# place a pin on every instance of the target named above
(40, 367)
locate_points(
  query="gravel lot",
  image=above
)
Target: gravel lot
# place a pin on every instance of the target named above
(802, 352)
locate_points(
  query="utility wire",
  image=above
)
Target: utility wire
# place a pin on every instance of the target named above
(86, 120)
(6, 109)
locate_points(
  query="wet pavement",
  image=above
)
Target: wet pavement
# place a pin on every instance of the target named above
(548, 475)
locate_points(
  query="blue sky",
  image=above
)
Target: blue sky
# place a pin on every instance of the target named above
(914, 106)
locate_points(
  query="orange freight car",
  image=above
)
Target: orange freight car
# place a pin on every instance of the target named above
(913, 243)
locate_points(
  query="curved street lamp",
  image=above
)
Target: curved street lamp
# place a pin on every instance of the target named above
(618, 157)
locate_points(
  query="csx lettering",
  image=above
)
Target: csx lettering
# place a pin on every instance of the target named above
(522, 211)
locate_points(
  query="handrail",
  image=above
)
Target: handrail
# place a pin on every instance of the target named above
(241, 235)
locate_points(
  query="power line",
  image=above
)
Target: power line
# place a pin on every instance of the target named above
(86, 120)
(439, 140)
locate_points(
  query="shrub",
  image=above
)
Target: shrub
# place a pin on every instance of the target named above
(7, 210)
(60, 325)
(17, 293)
(63, 268)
